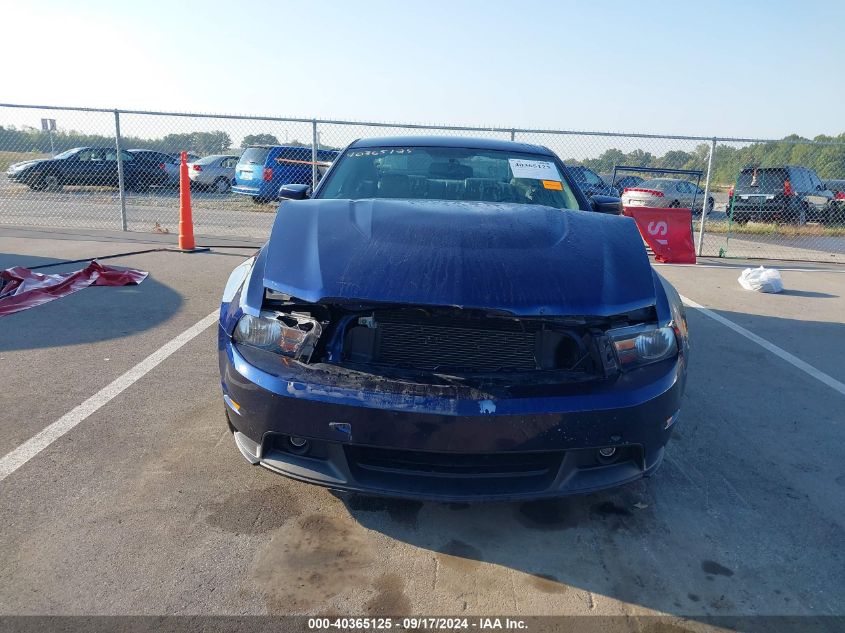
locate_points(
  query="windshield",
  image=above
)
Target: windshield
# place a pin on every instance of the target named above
(656, 183)
(255, 155)
(67, 153)
(448, 173)
(207, 160)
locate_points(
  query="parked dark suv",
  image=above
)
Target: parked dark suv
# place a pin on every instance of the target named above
(782, 193)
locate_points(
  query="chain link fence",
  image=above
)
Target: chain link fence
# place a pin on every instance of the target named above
(755, 198)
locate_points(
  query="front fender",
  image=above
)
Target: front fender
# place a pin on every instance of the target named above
(231, 307)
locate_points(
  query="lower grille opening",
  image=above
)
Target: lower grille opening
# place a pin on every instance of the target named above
(428, 472)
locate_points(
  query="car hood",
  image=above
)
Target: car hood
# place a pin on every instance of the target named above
(521, 259)
(26, 163)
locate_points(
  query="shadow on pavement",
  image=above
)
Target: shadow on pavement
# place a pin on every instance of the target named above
(89, 315)
(743, 518)
(810, 294)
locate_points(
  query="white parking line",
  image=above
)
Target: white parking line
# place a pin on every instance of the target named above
(38, 442)
(793, 360)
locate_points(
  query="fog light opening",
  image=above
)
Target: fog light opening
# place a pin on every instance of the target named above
(607, 455)
(298, 445)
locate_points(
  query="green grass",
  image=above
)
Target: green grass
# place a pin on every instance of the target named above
(784, 230)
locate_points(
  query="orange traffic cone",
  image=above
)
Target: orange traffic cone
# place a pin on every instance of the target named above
(186, 221)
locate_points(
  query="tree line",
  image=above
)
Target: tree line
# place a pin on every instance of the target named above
(214, 142)
(827, 160)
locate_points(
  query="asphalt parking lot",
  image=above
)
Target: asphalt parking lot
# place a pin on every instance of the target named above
(225, 215)
(146, 506)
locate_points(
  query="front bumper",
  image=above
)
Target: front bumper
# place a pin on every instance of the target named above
(418, 445)
(17, 176)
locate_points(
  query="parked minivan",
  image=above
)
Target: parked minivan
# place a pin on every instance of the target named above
(263, 169)
(781, 193)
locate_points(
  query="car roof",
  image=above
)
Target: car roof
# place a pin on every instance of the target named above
(464, 142)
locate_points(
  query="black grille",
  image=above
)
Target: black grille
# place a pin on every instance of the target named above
(421, 342)
(455, 464)
(457, 473)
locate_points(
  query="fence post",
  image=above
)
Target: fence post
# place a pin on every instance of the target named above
(513, 135)
(314, 142)
(704, 206)
(120, 182)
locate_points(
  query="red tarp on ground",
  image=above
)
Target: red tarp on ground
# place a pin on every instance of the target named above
(22, 288)
(667, 231)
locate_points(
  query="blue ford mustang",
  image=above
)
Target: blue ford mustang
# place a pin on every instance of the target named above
(452, 319)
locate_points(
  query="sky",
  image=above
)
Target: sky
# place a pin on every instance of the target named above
(751, 69)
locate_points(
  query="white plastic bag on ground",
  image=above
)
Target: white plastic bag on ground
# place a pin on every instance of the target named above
(761, 279)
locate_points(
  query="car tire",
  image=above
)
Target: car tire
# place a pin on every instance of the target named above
(711, 204)
(674, 204)
(50, 182)
(221, 185)
(259, 200)
(740, 219)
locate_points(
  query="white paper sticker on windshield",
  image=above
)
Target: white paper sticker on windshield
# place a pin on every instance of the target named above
(536, 169)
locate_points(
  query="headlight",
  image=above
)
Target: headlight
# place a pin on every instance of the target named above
(640, 345)
(293, 335)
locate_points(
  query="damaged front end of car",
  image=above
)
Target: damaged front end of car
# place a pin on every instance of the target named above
(328, 381)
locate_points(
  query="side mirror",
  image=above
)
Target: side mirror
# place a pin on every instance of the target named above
(606, 204)
(294, 192)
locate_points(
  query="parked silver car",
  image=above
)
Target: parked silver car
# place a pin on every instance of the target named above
(213, 172)
(666, 192)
